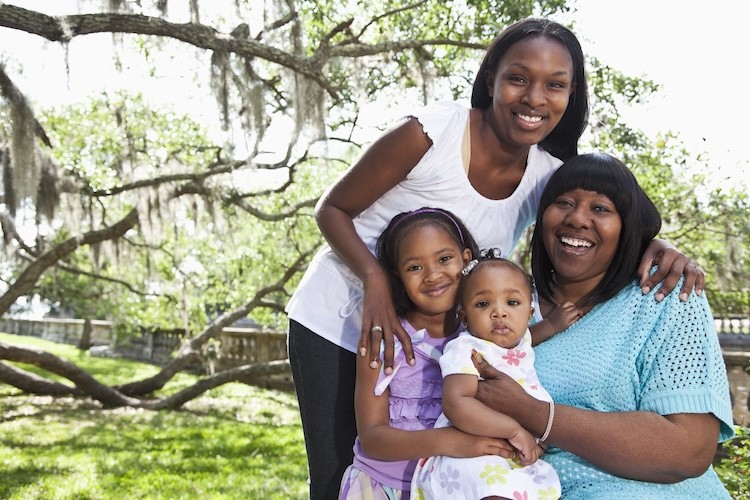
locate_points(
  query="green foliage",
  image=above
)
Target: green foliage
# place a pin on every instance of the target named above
(104, 143)
(705, 222)
(729, 303)
(218, 446)
(365, 78)
(734, 468)
(104, 140)
(214, 249)
(610, 91)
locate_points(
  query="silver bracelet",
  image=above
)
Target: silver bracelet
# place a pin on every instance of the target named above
(549, 421)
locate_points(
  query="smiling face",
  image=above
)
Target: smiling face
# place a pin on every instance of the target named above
(581, 232)
(496, 303)
(429, 265)
(530, 90)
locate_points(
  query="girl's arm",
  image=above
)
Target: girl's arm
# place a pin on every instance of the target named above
(383, 165)
(381, 441)
(637, 445)
(672, 265)
(470, 415)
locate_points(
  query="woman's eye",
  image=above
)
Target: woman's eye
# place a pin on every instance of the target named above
(558, 85)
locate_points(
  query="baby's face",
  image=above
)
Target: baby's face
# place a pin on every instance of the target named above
(496, 304)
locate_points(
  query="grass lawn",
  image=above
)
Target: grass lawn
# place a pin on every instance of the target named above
(235, 441)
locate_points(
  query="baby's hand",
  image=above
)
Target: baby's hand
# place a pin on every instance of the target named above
(563, 316)
(526, 445)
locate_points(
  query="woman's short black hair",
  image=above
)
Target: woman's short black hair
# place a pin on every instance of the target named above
(641, 221)
(390, 240)
(562, 142)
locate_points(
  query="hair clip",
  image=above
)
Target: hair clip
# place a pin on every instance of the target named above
(490, 253)
(471, 265)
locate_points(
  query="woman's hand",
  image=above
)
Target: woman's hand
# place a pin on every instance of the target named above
(671, 266)
(382, 166)
(380, 323)
(500, 392)
(650, 447)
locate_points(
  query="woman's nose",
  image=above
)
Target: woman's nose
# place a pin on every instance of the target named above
(534, 96)
(578, 217)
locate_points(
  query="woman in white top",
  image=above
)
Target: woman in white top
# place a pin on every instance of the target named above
(488, 165)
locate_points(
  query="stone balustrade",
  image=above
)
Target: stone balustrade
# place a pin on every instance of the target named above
(240, 346)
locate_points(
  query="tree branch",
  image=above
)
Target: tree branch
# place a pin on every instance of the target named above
(232, 375)
(29, 276)
(65, 28)
(116, 281)
(34, 384)
(190, 349)
(240, 203)
(362, 49)
(83, 381)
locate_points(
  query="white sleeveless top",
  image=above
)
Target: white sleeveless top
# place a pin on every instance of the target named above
(329, 297)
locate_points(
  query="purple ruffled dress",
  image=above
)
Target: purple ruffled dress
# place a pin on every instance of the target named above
(414, 404)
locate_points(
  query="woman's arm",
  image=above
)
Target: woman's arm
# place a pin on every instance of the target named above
(637, 445)
(386, 163)
(381, 441)
(470, 415)
(672, 265)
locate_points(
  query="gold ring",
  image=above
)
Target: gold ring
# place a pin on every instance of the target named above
(376, 328)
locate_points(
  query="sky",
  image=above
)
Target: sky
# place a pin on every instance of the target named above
(684, 46)
(697, 51)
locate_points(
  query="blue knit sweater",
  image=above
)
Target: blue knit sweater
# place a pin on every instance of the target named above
(633, 353)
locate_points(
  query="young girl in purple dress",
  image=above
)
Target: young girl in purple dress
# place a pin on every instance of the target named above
(424, 252)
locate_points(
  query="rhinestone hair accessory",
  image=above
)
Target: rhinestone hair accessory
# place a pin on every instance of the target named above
(469, 267)
(411, 214)
(484, 254)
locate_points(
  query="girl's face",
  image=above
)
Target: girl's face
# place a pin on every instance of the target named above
(530, 91)
(581, 231)
(429, 265)
(496, 304)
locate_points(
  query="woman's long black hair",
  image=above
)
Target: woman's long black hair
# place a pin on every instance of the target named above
(562, 142)
(641, 221)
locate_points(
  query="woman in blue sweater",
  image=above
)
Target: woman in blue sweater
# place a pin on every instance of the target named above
(639, 386)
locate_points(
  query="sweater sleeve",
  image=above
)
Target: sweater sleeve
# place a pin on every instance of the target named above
(681, 366)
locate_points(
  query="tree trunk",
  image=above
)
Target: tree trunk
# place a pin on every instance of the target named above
(85, 341)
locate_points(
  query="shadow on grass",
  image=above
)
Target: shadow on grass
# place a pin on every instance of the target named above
(234, 441)
(167, 453)
(16, 478)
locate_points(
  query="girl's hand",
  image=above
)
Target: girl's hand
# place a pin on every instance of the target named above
(459, 444)
(671, 266)
(380, 323)
(563, 316)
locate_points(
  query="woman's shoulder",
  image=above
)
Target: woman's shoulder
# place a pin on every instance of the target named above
(438, 117)
(543, 163)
